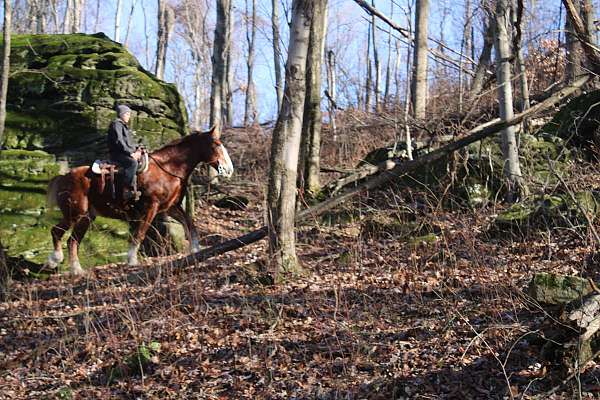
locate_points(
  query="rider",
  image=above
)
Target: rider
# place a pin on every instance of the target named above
(124, 150)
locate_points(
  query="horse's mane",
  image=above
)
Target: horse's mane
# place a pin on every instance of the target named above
(167, 148)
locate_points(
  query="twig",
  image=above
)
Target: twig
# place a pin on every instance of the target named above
(573, 374)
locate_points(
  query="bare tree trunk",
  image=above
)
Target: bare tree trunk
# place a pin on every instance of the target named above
(32, 10)
(464, 49)
(5, 65)
(331, 92)
(485, 59)
(250, 106)
(221, 47)
(285, 146)
(512, 169)
(166, 19)
(97, 20)
(407, 88)
(118, 20)
(78, 10)
(277, 52)
(127, 29)
(583, 34)
(376, 63)
(68, 16)
(573, 66)
(369, 76)
(419, 88)
(310, 147)
(589, 16)
(520, 60)
(228, 98)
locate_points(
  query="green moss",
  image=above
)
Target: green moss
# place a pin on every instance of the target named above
(25, 222)
(549, 211)
(63, 89)
(558, 289)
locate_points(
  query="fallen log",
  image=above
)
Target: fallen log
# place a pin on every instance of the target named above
(382, 173)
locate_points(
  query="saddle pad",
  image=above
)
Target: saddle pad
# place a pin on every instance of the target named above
(99, 165)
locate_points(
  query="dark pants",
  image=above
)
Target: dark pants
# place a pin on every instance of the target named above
(128, 165)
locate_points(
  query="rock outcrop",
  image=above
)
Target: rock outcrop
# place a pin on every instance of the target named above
(63, 90)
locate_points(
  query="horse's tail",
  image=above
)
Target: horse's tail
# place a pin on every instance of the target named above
(52, 192)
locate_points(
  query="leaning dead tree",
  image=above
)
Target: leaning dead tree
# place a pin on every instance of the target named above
(385, 172)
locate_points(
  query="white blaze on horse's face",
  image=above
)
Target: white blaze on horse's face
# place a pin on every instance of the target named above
(225, 167)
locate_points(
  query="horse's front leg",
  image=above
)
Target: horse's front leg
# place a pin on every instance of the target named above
(140, 234)
(79, 230)
(181, 216)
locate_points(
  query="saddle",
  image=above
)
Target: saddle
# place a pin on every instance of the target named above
(102, 168)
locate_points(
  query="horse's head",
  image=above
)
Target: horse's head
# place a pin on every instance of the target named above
(216, 154)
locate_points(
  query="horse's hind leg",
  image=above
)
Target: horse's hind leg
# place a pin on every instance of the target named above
(79, 230)
(58, 231)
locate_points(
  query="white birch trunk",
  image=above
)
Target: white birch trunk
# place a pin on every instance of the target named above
(285, 146)
(512, 169)
(118, 21)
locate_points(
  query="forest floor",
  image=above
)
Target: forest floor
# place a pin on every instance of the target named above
(371, 318)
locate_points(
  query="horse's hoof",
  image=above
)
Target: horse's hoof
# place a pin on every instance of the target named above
(76, 270)
(53, 260)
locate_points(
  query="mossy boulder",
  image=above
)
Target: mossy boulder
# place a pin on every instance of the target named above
(548, 210)
(25, 222)
(578, 124)
(558, 289)
(474, 174)
(63, 90)
(386, 225)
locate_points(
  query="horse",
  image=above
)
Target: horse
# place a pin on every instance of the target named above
(81, 195)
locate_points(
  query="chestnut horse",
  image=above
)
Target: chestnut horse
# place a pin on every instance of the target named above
(81, 195)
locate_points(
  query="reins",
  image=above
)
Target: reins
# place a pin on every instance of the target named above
(163, 168)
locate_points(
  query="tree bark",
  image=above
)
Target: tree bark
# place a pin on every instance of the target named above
(5, 66)
(388, 68)
(331, 93)
(128, 27)
(277, 52)
(221, 47)
(310, 147)
(419, 89)
(369, 76)
(510, 151)
(250, 105)
(228, 98)
(78, 11)
(166, 19)
(589, 16)
(118, 20)
(583, 34)
(376, 63)
(68, 16)
(285, 146)
(4, 275)
(485, 59)
(574, 50)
